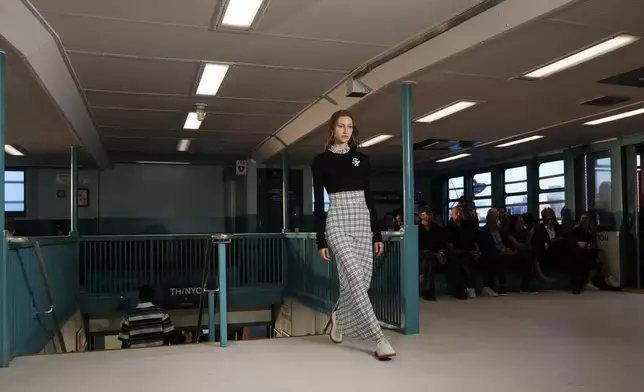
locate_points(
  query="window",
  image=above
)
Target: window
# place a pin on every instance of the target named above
(516, 190)
(327, 202)
(482, 191)
(14, 190)
(455, 189)
(552, 186)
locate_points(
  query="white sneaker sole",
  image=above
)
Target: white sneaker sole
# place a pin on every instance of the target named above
(386, 356)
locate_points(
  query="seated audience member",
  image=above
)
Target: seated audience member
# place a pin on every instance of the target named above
(548, 241)
(498, 258)
(462, 247)
(431, 242)
(586, 260)
(147, 325)
(389, 222)
(520, 239)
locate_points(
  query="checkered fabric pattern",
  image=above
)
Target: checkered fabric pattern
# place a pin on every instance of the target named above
(348, 232)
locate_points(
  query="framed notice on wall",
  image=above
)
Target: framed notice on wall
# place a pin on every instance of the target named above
(83, 197)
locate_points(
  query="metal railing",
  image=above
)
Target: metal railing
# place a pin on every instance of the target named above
(42, 292)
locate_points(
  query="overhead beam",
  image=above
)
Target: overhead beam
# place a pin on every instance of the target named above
(23, 27)
(455, 39)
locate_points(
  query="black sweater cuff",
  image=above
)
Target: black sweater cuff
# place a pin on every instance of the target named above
(377, 236)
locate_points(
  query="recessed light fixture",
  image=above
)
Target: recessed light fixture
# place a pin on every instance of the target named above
(524, 140)
(11, 150)
(211, 78)
(241, 13)
(453, 158)
(192, 122)
(583, 56)
(446, 111)
(184, 145)
(375, 140)
(162, 163)
(615, 117)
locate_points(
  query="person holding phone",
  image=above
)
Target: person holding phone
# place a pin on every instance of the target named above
(350, 231)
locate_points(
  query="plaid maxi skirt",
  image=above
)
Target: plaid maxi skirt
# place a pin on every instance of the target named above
(348, 232)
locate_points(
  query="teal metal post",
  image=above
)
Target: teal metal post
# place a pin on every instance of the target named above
(211, 316)
(284, 193)
(4, 268)
(410, 246)
(222, 240)
(73, 192)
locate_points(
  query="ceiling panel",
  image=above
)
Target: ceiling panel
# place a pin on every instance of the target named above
(122, 74)
(277, 84)
(186, 103)
(531, 46)
(169, 41)
(616, 15)
(150, 145)
(140, 119)
(191, 12)
(354, 20)
(257, 123)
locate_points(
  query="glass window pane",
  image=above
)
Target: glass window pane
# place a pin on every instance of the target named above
(552, 183)
(456, 183)
(516, 174)
(482, 213)
(482, 184)
(516, 188)
(552, 196)
(518, 199)
(14, 176)
(455, 194)
(14, 192)
(483, 202)
(551, 168)
(14, 207)
(603, 201)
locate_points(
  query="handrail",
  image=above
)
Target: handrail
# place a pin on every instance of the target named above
(43, 273)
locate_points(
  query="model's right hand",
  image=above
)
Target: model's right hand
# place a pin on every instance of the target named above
(324, 254)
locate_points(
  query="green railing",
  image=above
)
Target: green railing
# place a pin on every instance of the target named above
(314, 281)
(29, 324)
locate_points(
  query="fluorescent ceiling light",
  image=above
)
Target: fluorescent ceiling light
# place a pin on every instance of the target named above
(11, 150)
(375, 140)
(192, 122)
(183, 145)
(446, 111)
(615, 117)
(211, 78)
(163, 163)
(583, 56)
(524, 140)
(241, 13)
(453, 158)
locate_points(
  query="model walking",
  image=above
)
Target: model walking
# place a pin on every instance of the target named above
(352, 231)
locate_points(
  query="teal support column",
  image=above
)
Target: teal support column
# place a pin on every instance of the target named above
(4, 268)
(570, 183)
(211, 316)
(409, 284)
(285, 224)
(73, 192)
(222, 240)
(616, 177)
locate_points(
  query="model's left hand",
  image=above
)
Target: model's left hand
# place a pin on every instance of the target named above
(380, 247)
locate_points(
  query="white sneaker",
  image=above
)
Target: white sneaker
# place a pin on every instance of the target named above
(591, 287)
(612, 281)
(384, 349)
(488, 292)
(471, 293)
(335, 334)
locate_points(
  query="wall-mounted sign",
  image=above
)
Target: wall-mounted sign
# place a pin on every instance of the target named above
(62, 178)
(241, 167)
(60, 194)
(392, 197)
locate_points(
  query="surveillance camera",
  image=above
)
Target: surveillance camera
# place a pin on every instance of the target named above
(356, 89)
(200, 108)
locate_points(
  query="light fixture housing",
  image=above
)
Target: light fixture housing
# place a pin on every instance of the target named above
(183, 145)
(192, 121)
(582, 56)
(211, 78)
(12, 150)
(241, 14)
(519, 141)
(375, 140)
(453, 158)
(616, 117)
(448, 110)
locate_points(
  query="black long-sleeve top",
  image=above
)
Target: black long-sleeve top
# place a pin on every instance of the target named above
(341, 173)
